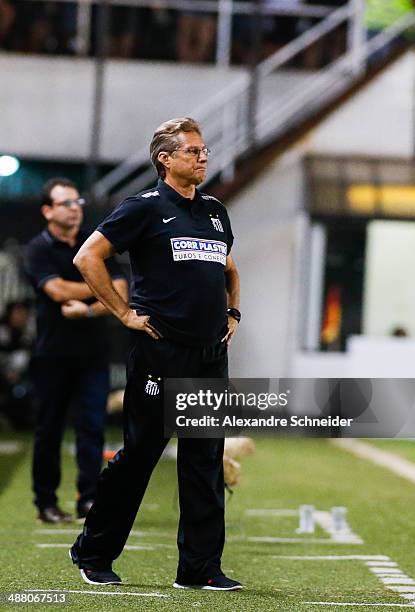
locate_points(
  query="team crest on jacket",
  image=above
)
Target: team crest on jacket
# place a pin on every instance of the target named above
(217, 224)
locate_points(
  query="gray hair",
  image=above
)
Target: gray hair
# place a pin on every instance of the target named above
(165, 139)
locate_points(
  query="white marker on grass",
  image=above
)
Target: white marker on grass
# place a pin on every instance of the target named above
(338, 514)
(307, 523)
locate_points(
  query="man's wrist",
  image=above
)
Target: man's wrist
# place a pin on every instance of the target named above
(124, 315)
(90, 312)
(234, 313)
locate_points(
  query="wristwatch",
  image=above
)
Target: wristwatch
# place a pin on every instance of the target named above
(234, 313)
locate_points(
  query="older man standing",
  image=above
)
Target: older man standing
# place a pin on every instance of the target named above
(71, 353)
(184, 312)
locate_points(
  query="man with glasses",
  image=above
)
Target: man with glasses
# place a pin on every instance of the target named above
(70, 361)
(183, 310)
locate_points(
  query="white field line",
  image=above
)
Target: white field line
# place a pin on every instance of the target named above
(394, 579)
(148, 546)
(385, 574)
(398, 465)
(381, 566)
(346, 536)
(385, 570)
(151, 507)
(126, 547)
(132, 593)
(57, 531)
(52, 545)
(374, 558)
(9, 447)
(272, 540)
(141, 534)
(382, 563)
(402, 579)
(338, 604)
(270, 512)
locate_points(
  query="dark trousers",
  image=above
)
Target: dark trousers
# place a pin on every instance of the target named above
(123, 483)
(57, 383)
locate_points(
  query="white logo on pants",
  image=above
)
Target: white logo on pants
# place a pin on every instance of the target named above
(152, 388)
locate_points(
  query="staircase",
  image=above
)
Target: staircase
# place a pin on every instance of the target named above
(262, 106)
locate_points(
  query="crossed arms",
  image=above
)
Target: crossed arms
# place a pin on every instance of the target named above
(71, 295)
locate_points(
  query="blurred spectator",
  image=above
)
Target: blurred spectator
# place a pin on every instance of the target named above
(159, 34)
(331, 46)
(189, 36)
(66, 26)
(279, 30)
(196, 36)
(243, 24)
(124, 31)
(276, 31)
(7, 16)
(241, 37)
(43, 27)
(16, 338)
(33, 30)
(13, 285)
(140, 32)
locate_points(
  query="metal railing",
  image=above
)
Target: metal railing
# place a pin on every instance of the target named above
(224, 116)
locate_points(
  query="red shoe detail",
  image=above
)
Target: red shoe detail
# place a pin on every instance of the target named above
(108, 455)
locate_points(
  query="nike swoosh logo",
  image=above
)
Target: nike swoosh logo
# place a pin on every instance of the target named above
(168, 220)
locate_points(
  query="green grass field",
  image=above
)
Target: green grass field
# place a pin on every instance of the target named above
(282, 475)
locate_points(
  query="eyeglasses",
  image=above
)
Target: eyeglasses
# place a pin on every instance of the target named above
(68, 203)
(195, 151)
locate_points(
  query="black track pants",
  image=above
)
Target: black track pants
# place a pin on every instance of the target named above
(58, 381)
(122, 484)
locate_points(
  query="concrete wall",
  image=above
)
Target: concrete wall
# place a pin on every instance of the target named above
(389, 293)
(377, 121)
(265, 221)
(46, 103)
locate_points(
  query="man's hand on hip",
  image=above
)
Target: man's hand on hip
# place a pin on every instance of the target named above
(138, 322)
(232, 325)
